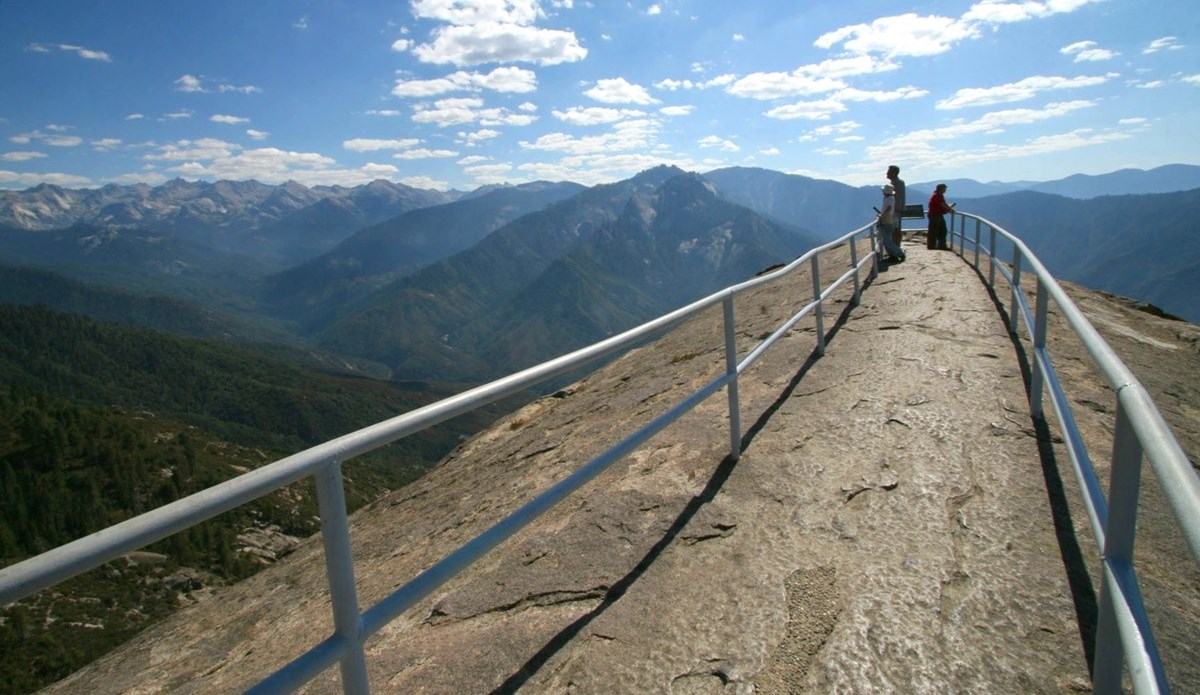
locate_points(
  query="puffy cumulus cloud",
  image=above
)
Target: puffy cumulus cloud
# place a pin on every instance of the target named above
(203, 148)
(900, 35)
(256, 134)
(188, 83)
(1008, 11)
(1086, 51)
(595, 115)
(819, 110)
(500, 43)
(215, 159)
(467, 12)
(481, 135)
(809, 80)
(676, 85)
(635, 134)
(777, 85)
(105, 144)
(227, 119)
(372, 145)
(1021, 90)
(677, 110)
(425, 182)
(199, 84)
(505, 79)
(596, 168)
(16, 179)
(459, 111)
(619, 91)
(713, 141)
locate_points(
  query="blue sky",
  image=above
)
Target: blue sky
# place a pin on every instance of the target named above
(459, 93)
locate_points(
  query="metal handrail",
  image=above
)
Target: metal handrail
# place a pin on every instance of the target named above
(1123, 633)
(323, 462)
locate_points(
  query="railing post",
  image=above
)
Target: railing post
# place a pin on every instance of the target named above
(1036, 380)
(1013, 309)
(339, 567)
(819, 309)
(1124, 483)
(977, 225)
(992, 257)
(731, 363)
(962, 237)
(854, 264)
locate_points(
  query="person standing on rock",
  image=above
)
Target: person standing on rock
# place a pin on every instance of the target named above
(936, 237)
(893, 176)
(888, 221)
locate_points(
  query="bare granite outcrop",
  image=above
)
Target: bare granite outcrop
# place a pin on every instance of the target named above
(896, 523)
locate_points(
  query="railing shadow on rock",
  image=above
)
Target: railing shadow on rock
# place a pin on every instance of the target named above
(323, 462)
(1123, 635)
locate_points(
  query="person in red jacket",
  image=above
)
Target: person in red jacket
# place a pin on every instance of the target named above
(936, 236)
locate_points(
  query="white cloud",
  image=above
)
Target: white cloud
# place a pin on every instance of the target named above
(256, 134)
(470, 12)
(105, 144)
(18, 179)
(1021, 90)
(301, 23)
(620, 91)
(247, 89)
(227, 119)
(504, 79)
(1166, 43)
(204, 148)
(712, 141)
(188, 83)
(812, 110)
(425, 153)
(425, 182)
(21, 156)
(1191, 79)
(384, 112)
(900, 35)
(678, 110)
(402, 45)
(500, 43)
(458, 111)
(176, 115)
(369, 145)
(48, 138)
(637, 135)
(1086, 51)
(595, 115)
(135, 117)
(85, 53)
(654, 9)
(481, 135)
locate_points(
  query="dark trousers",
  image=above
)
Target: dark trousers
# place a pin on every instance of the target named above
(936, 236)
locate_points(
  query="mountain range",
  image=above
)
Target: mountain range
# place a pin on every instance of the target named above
(413, 284)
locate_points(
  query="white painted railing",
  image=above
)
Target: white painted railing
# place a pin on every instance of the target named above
(1123, 634)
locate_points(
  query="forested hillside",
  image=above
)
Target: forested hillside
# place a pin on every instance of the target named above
(100, 422)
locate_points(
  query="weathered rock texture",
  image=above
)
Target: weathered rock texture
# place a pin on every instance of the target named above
(896, 524)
